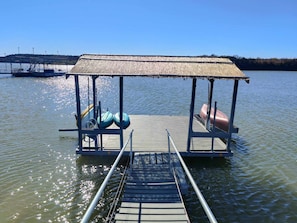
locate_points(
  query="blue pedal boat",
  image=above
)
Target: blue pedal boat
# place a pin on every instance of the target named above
(106, 120)
(126, 120)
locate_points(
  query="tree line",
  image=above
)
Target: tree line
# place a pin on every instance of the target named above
(242, 62)
(265, 64)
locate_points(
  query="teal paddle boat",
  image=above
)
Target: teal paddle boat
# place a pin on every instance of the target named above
(126, 120)
(106, 120)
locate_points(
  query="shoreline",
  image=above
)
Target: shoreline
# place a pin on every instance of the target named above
(276, 64)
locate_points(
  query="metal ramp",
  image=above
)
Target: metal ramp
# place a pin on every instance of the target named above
(151, 193)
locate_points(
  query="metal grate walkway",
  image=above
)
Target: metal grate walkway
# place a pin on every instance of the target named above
(151, 193)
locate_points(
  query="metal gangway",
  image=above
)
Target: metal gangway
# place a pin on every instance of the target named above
(152, 188)
(151, 192)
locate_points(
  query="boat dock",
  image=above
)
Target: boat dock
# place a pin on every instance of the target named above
(152, 184)
(193, 139)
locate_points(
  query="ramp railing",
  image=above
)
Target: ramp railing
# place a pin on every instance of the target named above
(99, 193)
(202, 200)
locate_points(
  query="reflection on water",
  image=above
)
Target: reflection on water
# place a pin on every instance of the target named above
(42, 180)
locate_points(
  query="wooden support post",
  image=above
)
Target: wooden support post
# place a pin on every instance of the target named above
(190, 131)
(232, 114)
(121, 112)
(78, 112)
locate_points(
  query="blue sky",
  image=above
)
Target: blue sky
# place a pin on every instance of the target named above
(247, 28)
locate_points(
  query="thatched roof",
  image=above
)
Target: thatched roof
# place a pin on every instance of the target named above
(157, 66)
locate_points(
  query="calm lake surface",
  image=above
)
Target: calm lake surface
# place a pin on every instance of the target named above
(43, 180)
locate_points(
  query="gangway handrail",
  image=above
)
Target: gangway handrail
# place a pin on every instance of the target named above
(202, 200)
(99, 193)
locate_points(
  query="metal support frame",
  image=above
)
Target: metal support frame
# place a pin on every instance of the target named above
(190, 131)
(213, 130)
(212, 133)
(99, 114)
(121, 110)
(95, 96)
(232, 114)
(95, 111)
(96, 131)
(78, 112)
(210, 93)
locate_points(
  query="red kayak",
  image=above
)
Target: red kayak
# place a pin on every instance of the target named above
(222, 120)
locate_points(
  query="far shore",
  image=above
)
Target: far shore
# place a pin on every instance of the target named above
(284, 64)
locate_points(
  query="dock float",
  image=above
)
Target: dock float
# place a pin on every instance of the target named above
(152, 192)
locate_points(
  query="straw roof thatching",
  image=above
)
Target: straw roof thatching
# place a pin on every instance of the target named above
(157, 66)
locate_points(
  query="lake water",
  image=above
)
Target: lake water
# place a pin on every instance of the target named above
(43, 180)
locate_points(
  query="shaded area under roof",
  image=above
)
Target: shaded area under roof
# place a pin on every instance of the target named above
(157, 66)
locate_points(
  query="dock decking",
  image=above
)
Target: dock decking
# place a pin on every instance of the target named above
(151, 193)
(150, 136)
